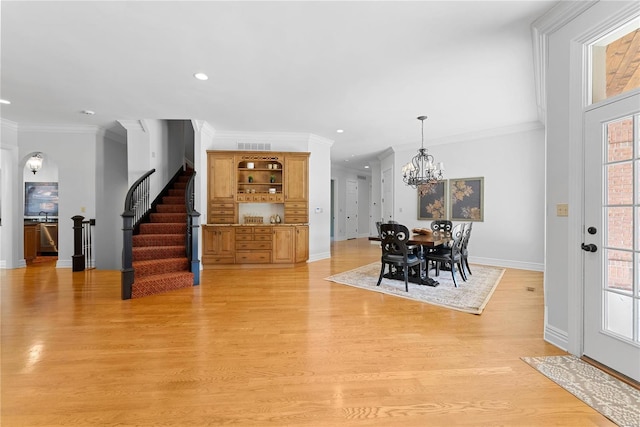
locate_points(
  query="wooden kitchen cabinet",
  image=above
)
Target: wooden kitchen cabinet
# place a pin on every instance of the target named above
(31, 240)
(218, 244)
(221, 187)
(302, 243)
(241, 177)
(283, 245)
(296, 190)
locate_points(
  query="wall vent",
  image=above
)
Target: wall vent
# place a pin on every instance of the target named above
(254, 146)
(362, 177)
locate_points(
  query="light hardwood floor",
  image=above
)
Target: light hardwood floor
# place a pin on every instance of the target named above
(272, 347)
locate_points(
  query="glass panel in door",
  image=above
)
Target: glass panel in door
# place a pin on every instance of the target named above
(612, 215)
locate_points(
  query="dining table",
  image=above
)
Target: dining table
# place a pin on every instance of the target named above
(422, 242)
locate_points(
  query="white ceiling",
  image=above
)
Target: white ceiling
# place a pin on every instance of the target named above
(369, 68)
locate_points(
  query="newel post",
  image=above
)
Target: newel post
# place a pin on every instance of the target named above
(127, 255)
(77, 260)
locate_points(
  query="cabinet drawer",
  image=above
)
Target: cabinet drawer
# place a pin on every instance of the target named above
(295, 212)
(244, 237)
(262, 230)
(217, 219)
(244, 246)
(210, 260)
(243, 230)
(296, 219)
(221, 211)
(262, 237)
(296, 205)
(254, 257)
(228, 206)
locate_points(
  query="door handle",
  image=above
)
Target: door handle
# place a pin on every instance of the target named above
(589, 248)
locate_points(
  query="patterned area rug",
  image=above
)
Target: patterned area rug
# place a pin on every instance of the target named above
(470, 296)
(611, 397)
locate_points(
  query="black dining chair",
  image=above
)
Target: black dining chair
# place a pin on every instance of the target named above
(465, 243)
(450, 255)
(442, 226)
(396, 253)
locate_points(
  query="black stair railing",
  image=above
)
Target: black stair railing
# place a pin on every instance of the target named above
(137, 205)
(193, 223)
(82, 243)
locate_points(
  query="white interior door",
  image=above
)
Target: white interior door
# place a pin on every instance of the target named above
(352, 209)
(611, 238)
(387, 195)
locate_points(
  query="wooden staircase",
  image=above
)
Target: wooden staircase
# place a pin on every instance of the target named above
(160, 260)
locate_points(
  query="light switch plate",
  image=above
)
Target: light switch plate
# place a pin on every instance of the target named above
(562, 209)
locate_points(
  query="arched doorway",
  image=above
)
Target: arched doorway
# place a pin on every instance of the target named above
(40, 209)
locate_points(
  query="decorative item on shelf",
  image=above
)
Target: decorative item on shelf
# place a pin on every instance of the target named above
(250, 178)
(278, 219)
(421, 170)
(270, 166)
(250, 165)
(272, 220)
(250, 219)
(275, 166)
(272, 191)
(272, 178)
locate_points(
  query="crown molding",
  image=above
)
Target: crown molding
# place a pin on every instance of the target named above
(320, 140)
(8, 124)
(132, 125)
(83, 129)
(386, 153)
(557, 17)
(477, 135)
(202, 126)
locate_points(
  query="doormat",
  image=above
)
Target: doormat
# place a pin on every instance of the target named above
(606, 394)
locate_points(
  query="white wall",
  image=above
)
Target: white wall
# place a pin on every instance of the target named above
(319, 198)
(11, 227)
(74, 151)
(512, 164)
(564, 111)
(112, 185)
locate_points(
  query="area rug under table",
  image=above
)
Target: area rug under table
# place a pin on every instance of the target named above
(606, 394)
(471, 296)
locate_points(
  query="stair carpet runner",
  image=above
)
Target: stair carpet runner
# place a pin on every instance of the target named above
(159, 250)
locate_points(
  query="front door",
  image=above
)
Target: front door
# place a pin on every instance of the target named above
(611, 238)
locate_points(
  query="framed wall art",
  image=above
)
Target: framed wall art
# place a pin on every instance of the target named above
(432, 201)
(467, 199)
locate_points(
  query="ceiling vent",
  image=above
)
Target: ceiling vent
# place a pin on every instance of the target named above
(254, 146)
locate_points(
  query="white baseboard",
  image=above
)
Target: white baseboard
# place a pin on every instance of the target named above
(320, 256)
(64, 263)
(556, 337)
(520, 265)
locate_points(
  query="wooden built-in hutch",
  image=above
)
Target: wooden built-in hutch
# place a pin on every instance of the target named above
(241, 177)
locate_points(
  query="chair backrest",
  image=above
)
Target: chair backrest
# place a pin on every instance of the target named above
(466, 235)
(442, 227)
(457, 236)
(394, 239)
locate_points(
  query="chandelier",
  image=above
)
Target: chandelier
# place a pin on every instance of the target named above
(35, 162)
(421, 170)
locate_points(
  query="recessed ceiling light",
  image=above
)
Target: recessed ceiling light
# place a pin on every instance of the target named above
(201, 76)
(88, 112)
(4, 101)
(366, 166)
(340, 131)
